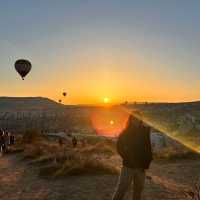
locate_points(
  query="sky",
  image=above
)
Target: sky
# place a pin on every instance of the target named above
(124, 50)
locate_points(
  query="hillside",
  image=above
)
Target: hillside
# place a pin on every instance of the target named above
(179, 120)
(21, 113)
(27, 103)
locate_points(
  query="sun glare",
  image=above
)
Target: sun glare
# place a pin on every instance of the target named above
(106, 100)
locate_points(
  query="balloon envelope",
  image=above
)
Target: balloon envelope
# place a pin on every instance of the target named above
(23, 67)
(64, 94)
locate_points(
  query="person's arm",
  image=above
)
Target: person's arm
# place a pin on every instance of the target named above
(148, 156)
(121, 146)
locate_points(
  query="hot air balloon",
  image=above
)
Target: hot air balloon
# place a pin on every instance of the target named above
(60, 101)
(64, 94)
(23, 67)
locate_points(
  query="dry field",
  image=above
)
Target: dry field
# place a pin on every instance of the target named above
(46, 170)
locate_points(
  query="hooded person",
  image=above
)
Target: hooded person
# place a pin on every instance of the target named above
(2, 141)
(134, 147)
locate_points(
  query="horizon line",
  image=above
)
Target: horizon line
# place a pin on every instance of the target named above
(109, 104)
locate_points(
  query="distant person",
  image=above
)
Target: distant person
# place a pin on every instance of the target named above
(134, 146)
(9, 139)
(74, 141)
(6, 140)
(69, 134)
(12, 139)
(60, 142)
(3, 141)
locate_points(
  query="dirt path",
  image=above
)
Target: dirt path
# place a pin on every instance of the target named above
(19, 181)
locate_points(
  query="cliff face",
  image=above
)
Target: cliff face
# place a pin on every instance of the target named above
(26, 104)
(18, 114)
(181, 120)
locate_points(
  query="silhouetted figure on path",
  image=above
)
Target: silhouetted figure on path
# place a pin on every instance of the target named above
(74, 141)
(60, 142)
(2, 142)
(12, 139)
(134, 146)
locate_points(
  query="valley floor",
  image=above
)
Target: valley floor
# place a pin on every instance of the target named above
(19, 181)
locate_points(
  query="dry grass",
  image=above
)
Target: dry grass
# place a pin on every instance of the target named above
(32, 151)
(48, 171)
(31, 136)
(57, 161)
(96, 158)
(82, 165)
(193, 193)
(188, 194)
(99, 148)
(42, 160)
(15, 149)
(173, 154)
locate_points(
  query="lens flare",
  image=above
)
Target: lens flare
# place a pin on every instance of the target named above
(109, 122)
(191, 140)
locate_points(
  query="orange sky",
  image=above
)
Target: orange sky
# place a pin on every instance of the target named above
(91, 77)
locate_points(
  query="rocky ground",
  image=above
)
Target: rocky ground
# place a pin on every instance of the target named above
(20, 181)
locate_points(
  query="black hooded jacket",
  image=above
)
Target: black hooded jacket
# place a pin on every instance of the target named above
(134, 146)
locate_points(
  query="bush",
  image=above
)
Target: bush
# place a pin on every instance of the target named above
(85, 166)
(192, 193)
(31, 136)
(48, 170)
(32, 151)
(91, 159)
(171, 154)
(99, 148)
(42, 160)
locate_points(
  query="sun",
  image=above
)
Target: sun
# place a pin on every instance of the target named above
(106, 100)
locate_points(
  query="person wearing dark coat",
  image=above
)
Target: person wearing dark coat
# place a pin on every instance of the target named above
(74, 141)
(2, 142)
(134, 146)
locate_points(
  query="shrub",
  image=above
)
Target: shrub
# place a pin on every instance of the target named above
(188, 194)
(31, 136)
(32, 151)
(85, 166)
(49, 170)
(172, 154)
(91, 159)
(99, 148)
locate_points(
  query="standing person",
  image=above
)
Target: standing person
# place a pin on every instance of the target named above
(1, 142)
(60, 142)
(134, 146)
(9, 139)
(74, 141)
(6, 140)
(12, 139)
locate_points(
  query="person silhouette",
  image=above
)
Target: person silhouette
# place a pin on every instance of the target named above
(134, 146)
